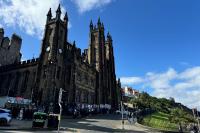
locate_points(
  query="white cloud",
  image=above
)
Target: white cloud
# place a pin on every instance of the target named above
(87, 5)
(183, 86)
(28, 15)
(131, 80)
(184, 63)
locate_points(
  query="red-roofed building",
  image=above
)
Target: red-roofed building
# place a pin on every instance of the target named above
(129, 92)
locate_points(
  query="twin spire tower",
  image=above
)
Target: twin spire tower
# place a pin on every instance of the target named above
(87, 77)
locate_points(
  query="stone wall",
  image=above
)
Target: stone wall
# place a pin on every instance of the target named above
(9, 49)
(18, 79)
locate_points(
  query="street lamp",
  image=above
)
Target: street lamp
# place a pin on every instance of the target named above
(122, 111)
(8, 92)
(59, 103)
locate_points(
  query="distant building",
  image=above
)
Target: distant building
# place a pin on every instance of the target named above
(9, 49)
(129, 92)
(87, 77)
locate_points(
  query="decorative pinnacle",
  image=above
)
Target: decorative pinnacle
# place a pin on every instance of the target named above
(102, 25)
(1, 30)
(91, 23)
(74, 43)
(119, 80)
(108, 34)
(99, 21)
(58, 10)
(49, 14)
(66, 16)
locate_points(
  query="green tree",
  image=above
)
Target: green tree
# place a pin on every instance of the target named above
(178, 116)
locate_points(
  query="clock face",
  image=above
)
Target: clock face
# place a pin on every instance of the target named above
(60, 51)
(48, 49)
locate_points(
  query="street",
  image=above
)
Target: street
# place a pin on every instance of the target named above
(100, 123)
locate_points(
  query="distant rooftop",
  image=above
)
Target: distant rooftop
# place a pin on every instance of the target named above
(1, 30)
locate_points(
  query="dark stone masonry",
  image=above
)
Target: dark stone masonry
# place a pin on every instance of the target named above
(87, 77)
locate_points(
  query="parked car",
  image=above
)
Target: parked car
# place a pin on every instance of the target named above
(118, 111)
(5, 116)
(125, 112)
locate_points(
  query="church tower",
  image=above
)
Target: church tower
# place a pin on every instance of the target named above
(111, 77)
(101, 56)
(51, 63)
(96, 56)
(1, 35)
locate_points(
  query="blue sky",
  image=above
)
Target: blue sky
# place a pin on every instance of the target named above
(156, 42)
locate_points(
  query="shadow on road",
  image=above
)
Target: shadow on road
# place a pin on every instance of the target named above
(85, 124)
(91, 127)
(108, 117)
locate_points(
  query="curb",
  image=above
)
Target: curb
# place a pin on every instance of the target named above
(155, 129)
(33, 129)
(151, 128)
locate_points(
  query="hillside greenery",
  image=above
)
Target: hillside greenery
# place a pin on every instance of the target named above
(165, 114)
(160, 121)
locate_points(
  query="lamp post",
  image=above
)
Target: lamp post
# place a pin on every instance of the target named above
(8, 92)
(59, 103)
(122, 111)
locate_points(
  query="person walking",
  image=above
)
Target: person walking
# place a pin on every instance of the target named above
(21, 113)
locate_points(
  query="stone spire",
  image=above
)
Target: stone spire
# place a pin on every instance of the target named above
(109, 37)
(99, 22)
(66, 17)
(58, 12)
(102, 25)
(49, 15)
(91, 25)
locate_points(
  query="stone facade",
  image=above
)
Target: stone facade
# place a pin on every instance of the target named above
(9, 49)
(87, 77)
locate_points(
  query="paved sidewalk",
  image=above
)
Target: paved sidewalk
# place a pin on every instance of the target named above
(18, 124)
(99, 123)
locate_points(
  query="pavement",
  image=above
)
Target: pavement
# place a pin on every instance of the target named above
(91, 124)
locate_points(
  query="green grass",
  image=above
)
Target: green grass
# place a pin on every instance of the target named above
(160, 121)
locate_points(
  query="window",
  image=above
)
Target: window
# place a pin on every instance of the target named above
(58, 73)
(44, 73)
(61, 34)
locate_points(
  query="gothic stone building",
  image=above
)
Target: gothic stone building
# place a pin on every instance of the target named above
(87, 77)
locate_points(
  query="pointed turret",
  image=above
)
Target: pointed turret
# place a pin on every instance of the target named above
(49, 15)
(1, 35)
(1, 30)
(109, 37)
(102, 25)
(119, 82)
(108, 34)
(58, 12)
(66, 17)
(74, 44)
(99, 22)
(91, 25)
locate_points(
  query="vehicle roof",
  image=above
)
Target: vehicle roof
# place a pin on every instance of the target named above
(54, 114)
(40, 113)
(6, 110)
